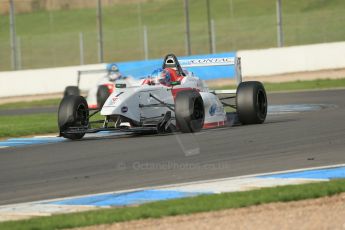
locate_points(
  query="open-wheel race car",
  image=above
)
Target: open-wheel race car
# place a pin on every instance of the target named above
(100, 92)
(171, 99)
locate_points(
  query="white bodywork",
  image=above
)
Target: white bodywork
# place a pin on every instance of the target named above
(92, 93)
(136, 103)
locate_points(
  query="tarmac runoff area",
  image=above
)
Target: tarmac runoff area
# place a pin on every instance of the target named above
(56, 177)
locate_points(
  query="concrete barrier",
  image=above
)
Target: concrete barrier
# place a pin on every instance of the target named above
(42, 81)
(292, 59)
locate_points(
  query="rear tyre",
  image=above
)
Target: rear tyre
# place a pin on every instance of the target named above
(102, 95)
(73, 112)
(189, 111)
(71, 90)
(251, 102)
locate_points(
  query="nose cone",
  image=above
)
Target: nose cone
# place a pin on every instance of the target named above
(124, 102)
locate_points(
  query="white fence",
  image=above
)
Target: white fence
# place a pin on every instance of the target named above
(43, 81)
(254, 63)
(292, 59)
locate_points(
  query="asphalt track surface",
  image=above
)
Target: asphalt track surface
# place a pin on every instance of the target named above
(287, 141)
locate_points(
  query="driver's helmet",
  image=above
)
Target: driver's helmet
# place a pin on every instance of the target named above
(113, 71)
(165, 78)
(162, 76)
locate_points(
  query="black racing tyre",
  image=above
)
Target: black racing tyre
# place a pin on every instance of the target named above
(189, 111)
(251, 102)
(71, 90)
(73, 112)
(102, 95)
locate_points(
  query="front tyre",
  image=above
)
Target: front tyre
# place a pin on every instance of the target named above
(251, 102)
(73, 112)
(189, 111)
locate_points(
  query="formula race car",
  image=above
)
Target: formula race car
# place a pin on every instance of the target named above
(98, 94)
(171, 99)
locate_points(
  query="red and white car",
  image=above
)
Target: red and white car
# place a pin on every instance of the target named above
(171, 100)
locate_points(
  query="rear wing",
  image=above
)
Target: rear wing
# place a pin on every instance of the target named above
(171, 61)
(207, 62)
(80, 72)
(223, 61)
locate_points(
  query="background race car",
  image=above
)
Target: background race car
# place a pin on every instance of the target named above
(98, 94)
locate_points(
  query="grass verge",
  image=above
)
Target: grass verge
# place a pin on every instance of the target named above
(203, 203)
(16, 126)
(22, 125)
(31, 104)
(299, 85)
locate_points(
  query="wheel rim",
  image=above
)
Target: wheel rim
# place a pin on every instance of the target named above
(82, 115)
(262, 103)
(198, 112)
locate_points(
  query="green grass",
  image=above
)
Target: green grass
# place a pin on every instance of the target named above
(299, 85)
(52, 38)
(303, 85)
(203, 203)
(31, 104)
(22, 125)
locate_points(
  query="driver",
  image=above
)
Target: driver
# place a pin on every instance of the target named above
(167, 76)
(113, 72)
(163, 76)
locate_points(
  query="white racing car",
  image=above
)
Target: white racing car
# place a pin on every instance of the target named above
(98, 94)
(170, 100)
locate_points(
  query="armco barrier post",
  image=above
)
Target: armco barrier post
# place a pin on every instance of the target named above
(100, 31)
(146, 46)
(280, 35)
(213, 37)
(188, 45)
(13, 36)
(209, 23)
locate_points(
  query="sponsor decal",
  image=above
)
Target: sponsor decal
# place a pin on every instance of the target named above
(115, 100)
(212, 109)
(124, 109)
(208, 61)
